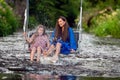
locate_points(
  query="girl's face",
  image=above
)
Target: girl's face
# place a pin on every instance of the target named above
(61, 23)
(40, 31)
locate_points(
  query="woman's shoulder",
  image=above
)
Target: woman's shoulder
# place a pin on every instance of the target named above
(70, 29)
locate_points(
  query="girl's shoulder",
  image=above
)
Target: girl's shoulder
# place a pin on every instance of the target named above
(46, 36)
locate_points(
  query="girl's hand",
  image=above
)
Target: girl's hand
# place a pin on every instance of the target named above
(24, 34)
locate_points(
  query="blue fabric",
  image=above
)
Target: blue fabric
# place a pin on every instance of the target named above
(68, 77)
(67, 45)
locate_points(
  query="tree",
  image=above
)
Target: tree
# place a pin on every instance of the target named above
(8, 22)
(18, 8)
(47, 11)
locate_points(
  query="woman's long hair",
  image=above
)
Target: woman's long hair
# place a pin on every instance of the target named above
(59, 33)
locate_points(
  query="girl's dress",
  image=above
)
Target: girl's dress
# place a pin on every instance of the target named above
(67, 45)
(40, 41)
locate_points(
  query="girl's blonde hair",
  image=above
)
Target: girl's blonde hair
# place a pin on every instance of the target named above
(40, 26)
(36, 34)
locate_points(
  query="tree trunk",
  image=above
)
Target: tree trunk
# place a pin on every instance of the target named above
(18, 8)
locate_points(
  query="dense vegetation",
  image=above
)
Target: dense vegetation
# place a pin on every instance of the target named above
(8, 21)
(107, 25)
(47, 11)
(101, 17)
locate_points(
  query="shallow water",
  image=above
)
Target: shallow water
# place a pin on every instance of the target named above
(98, 58)
(51, 77)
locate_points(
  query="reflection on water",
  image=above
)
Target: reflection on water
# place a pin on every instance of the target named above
(10, 77)
(68, 77)
(50, 77)
(38, 77)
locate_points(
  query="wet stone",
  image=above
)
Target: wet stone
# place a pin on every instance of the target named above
(2, 70)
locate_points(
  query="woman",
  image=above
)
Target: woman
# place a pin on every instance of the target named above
(39, 42)
(63, 39)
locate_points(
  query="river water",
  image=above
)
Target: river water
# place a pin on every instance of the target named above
(99, 59)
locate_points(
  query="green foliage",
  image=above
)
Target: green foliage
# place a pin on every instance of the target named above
(43, 11)
(102, 24)
(107, 24)
(8, 22)
(72, 10)
(32, 22)
(99, 78)
(100, 4)
(47, 11)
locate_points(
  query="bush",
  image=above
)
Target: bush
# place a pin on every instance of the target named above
(107, 24)
(8, 21)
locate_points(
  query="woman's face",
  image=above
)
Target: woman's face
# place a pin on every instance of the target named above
(61, 23)
(40, 31)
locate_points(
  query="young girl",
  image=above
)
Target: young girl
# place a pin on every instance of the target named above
(39, 42)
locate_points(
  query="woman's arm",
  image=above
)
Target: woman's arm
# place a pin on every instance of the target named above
(73, 44)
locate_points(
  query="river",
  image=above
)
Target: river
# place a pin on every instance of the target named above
(98, 57)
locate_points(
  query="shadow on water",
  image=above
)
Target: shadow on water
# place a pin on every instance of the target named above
(51, 77)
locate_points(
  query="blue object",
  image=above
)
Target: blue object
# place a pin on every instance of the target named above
(68, 77)
(67, 45)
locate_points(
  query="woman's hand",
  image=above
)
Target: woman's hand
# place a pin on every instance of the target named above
(72, 51)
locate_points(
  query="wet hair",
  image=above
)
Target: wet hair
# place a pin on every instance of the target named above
(36, 34)
(41, 26)
(58, 29)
